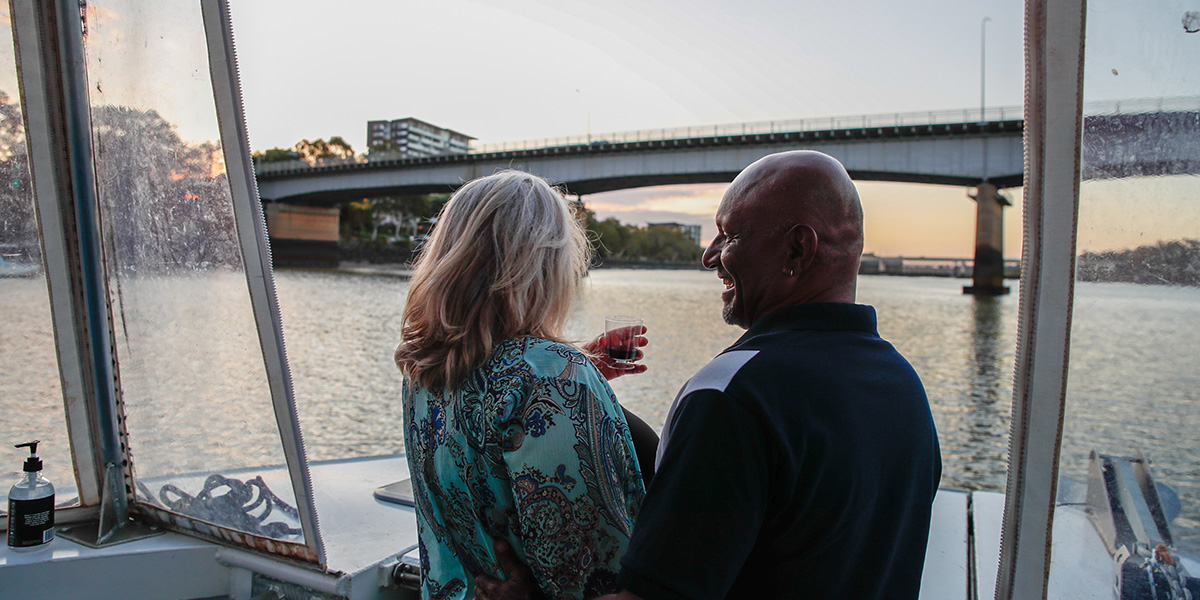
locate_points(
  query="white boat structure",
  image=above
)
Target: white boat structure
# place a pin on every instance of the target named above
(176, 498)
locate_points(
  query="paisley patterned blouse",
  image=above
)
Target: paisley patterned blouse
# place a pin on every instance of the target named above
(533, 448)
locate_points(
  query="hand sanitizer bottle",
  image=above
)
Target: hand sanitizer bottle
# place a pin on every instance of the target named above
(31, 506)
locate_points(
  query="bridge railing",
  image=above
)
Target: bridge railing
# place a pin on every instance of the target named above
(1129, 106)
(935, 117)
(290, 166)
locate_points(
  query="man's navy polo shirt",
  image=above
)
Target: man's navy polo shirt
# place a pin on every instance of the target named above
(802, 462)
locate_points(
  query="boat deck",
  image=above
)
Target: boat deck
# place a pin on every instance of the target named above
(364, 536)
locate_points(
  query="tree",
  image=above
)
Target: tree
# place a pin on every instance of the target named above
(613, 240)
(1175, 262)
(18, 221)
(166, 202)
(276, 155)
(316, 151)
(668, 244)
(404, 213)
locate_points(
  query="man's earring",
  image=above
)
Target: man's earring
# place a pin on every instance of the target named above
(792, 273)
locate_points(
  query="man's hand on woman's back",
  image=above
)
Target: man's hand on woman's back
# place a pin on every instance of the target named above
(520, 584)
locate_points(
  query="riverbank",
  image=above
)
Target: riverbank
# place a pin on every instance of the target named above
(404, 270)
(641, 264)
(400, 270)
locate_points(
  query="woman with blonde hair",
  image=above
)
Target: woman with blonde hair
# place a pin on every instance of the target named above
(511, 433)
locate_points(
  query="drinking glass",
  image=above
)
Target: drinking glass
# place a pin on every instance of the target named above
(621, 334)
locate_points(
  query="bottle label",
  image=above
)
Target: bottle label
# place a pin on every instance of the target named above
(30, 522)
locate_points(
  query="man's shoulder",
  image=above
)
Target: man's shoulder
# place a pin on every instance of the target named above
(719, 372)
(818, 352)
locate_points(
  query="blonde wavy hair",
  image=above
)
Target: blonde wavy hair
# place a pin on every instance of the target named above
(506, 260)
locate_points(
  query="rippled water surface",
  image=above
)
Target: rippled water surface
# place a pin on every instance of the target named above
(342, 329)
(1132, 383)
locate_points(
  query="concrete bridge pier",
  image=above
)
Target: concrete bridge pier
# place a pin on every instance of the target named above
(988, 276)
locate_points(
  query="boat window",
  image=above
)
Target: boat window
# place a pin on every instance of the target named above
(30, 389)
(202, 436)
(1133, 380)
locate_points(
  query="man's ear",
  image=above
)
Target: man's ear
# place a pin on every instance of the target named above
(802, 246)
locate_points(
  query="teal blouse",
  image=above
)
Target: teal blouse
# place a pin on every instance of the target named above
(532, 447)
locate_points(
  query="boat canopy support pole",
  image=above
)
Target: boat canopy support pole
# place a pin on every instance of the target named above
(1054, 38)
(54, 91)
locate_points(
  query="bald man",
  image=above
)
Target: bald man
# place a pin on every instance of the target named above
(802, 462)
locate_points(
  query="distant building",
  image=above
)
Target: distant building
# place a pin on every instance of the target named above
(413, 138)
(692, 231)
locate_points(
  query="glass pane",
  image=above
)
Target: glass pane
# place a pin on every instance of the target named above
(1133, 382)
(30, 389)
(199, 417)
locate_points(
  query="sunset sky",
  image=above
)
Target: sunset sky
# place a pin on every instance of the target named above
(528, 69)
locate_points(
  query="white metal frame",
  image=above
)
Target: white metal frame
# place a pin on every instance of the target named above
(54, 91)
(39, 33)
(252, 233)
(1054, 38)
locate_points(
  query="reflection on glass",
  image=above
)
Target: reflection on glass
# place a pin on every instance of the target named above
(1133, 382)
(201, 426)
(30, 389)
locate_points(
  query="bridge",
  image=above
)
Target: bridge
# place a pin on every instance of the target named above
(947, 147)
(963, 148)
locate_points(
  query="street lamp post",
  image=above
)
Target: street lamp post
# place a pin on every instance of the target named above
(982, 66)
(982, 88)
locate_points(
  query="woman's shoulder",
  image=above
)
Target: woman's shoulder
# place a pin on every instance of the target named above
(543, 357)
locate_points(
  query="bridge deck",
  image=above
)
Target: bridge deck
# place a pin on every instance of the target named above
(944, 153)
(915, 147)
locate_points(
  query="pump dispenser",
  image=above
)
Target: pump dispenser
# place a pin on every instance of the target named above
(31, 506)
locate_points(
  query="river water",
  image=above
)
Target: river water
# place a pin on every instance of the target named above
(341, 331)
(1133, 384)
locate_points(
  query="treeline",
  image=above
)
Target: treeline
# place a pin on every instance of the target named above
(616, 242)
(387, 225)
(393, 222)
(320, 151)
(313, 152)
(18, 223)
(1165, 263)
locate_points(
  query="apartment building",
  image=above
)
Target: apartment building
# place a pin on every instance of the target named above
(414, 138)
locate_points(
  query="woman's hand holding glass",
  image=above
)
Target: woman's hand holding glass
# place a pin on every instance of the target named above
(610, 367)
